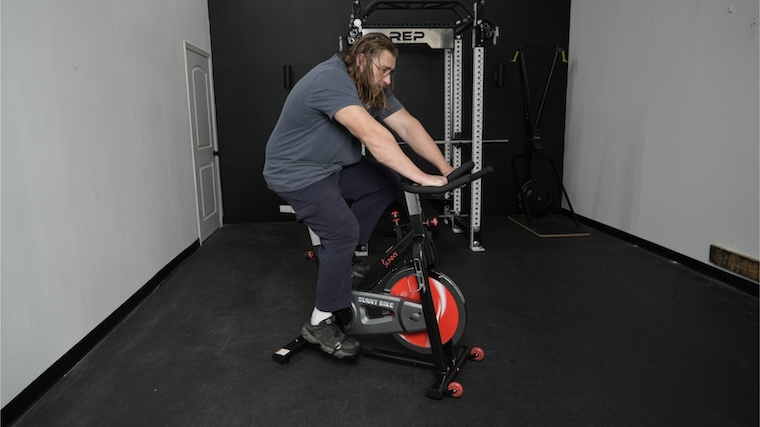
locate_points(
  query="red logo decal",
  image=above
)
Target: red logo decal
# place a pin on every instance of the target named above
(387, 261)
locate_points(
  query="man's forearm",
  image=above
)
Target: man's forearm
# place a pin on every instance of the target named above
(423, 144)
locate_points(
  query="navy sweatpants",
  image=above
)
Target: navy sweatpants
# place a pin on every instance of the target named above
(322, 206)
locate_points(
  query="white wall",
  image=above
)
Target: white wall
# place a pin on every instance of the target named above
(97, 177)
(662, 121)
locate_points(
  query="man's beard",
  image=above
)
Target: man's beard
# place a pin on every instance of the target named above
(377, 90)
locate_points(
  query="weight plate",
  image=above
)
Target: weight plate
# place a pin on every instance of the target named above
(535, 197)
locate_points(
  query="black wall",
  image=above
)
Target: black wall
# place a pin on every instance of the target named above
(253, 40)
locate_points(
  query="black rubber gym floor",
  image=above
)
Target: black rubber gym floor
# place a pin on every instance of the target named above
(577, 332)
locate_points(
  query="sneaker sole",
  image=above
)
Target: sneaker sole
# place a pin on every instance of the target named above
(340, 354)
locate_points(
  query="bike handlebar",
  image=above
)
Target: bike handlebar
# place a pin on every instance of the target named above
(457, 178)
(461, 170)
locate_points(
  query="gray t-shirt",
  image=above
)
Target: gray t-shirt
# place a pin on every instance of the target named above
(307, 143)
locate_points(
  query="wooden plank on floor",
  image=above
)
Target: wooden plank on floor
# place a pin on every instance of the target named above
(734, 262)
(551, 226)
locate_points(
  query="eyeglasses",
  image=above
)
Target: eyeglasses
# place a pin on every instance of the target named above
(386, 71)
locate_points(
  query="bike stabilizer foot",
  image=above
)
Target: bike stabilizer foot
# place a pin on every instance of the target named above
(440, 386)
(284, 354)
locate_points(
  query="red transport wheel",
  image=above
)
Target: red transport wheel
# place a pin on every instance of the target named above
(448, 302)
(455, 389)
(477, 354)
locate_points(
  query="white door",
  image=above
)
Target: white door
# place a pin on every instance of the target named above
(203, 136)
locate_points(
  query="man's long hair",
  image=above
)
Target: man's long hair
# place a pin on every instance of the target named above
(371, 45)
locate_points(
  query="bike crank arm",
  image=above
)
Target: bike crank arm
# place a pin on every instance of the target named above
(379, 314)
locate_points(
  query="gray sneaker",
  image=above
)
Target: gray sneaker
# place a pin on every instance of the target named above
(331, 338)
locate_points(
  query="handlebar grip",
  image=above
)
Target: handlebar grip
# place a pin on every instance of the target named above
(481, 173)
(456, 183)
(461, 170)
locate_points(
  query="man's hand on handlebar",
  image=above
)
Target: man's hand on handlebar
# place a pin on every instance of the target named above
(434, 181)
(459, 177)
(446, 171)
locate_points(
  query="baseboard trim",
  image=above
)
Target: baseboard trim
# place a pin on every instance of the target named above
(740, 283)
(24, 400)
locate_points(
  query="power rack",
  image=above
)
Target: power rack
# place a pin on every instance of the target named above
(446, 36)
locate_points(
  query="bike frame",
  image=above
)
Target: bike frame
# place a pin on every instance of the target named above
(415, 249)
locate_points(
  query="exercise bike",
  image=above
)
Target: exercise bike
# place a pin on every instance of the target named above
(404, 308)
